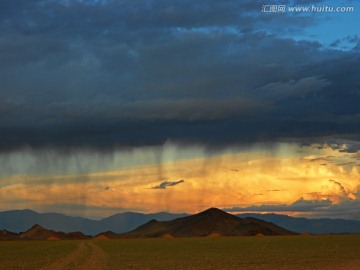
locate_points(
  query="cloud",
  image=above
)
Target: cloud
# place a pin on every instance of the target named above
(294, 89)
(219, 66)
(333, 201)
(343, 192)
(333, 191)
(82, 178)
(300, 205)
(347, 209)
(166, 184)
(341, 187)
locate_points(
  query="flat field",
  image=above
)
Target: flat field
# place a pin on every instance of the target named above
(276, 252)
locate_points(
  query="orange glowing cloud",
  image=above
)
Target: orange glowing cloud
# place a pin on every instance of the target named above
(232, 179)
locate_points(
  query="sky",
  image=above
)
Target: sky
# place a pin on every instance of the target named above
(150, 105)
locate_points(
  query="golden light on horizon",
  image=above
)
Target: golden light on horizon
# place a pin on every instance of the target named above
(226, 180)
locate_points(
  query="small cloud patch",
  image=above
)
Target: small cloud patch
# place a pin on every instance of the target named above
(166, 184)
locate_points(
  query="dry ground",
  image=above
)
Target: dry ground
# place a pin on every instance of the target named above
(291, 252)
(87, 255)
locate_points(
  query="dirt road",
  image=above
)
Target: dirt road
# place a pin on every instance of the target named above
(87, 255)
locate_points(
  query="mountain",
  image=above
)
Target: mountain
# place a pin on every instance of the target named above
(6, 235)
(128, 221)
(315, 226)
(207, 223)
(21, 220)
(107, 235)
(37, 232)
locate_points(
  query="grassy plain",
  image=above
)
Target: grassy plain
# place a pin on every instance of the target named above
(280, 252)
(33, 254)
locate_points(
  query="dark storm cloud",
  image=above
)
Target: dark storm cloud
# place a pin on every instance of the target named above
(101, 74)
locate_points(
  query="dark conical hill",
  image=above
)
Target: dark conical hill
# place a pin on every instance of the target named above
(212, 221)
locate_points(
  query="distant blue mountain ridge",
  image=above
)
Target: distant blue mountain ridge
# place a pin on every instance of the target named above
(309, 225)
(21, 220)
